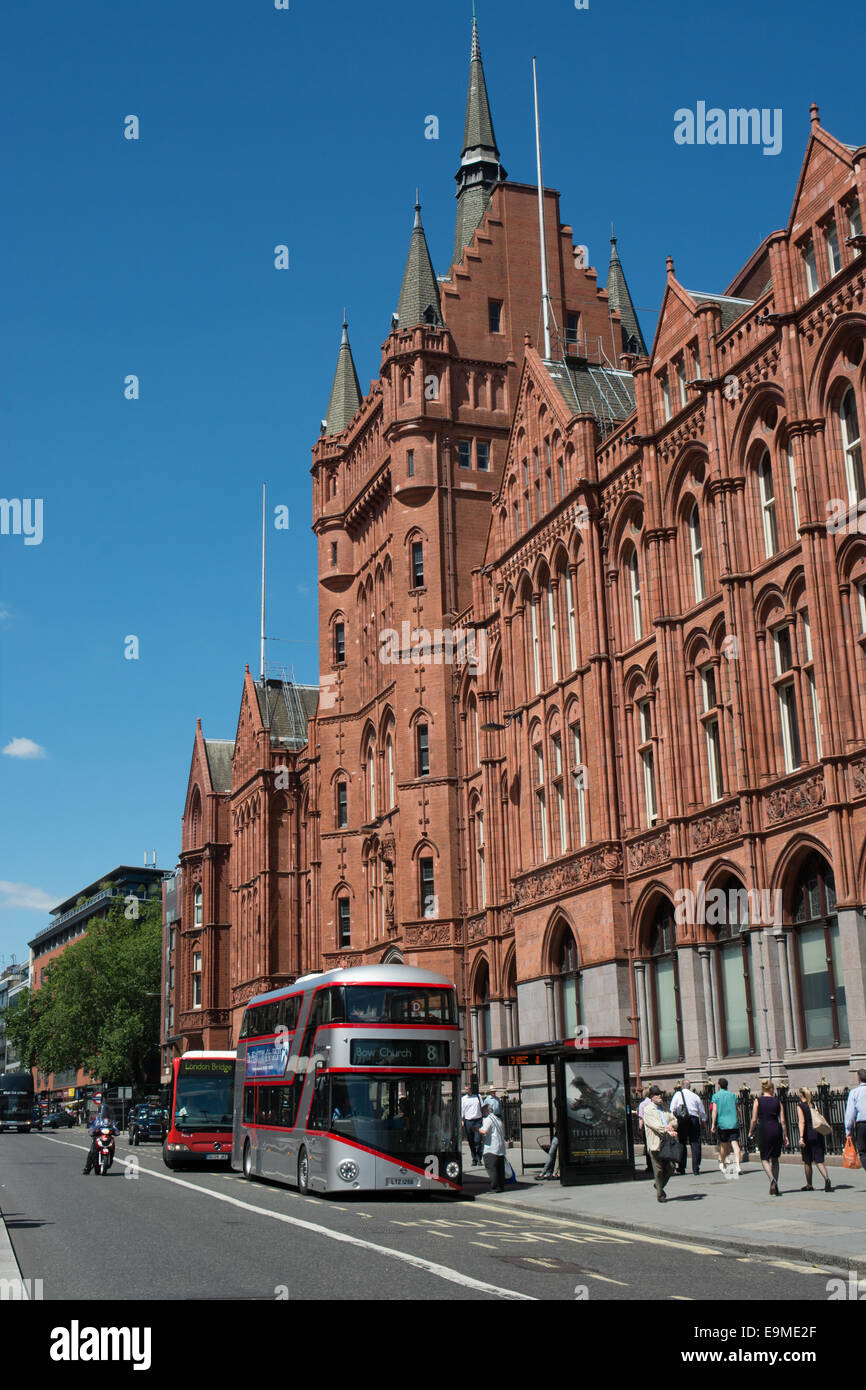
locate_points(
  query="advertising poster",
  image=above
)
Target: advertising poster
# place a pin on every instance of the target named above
(596, 1097)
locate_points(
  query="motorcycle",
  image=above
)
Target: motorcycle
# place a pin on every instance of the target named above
(104, 1151)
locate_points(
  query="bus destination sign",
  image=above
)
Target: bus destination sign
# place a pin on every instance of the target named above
(397, 1052)
(212, 1068)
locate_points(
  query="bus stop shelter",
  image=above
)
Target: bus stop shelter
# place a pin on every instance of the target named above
(588, 1105)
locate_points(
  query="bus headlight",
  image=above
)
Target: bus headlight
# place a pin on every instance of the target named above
(348, 1170)
(452, 1171)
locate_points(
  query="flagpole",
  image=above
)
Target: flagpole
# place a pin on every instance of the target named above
(263, 585)
(545, 289)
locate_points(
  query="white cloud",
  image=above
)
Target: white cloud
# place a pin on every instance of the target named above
(24, 748)
(25, 895)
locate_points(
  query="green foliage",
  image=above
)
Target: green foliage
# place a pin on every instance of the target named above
(99, 1006)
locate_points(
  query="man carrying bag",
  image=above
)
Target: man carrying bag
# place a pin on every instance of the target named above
(665, 1149)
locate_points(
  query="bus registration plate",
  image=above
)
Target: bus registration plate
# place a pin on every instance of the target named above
(400, 1182)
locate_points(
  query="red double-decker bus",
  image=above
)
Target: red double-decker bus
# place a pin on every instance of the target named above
(200, 1109)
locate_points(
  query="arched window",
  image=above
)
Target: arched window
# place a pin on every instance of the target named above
(664, 986)
(852, 446)
(481, 1009)
(552, 633)
(768, 505)
(569, 987)
(480, 857)
(572, 625)
(389, 768)
(197, 906)
(817, 958)
(729, 919)
(542, 839)
(634, 594)
(697, 550)
(371, 778)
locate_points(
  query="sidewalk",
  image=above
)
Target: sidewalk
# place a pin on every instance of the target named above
(12, 1286)
(826, 1228)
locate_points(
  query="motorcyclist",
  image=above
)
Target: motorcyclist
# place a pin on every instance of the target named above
(101, 1122)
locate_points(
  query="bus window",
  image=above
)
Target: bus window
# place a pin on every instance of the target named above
(249, 1105)
(381, 1004)
(320, 1110)
(288, 1106)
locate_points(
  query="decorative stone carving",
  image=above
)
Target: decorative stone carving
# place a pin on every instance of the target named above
(476, 927)
(797, 800)
(572, 873)
(724, 824)
(429, 934)
(858, 774)
(646, 853)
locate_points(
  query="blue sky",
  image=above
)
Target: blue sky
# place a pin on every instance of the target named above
(261, 127)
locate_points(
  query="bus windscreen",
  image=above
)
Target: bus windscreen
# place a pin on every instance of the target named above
(203, 1100)
(399, 1004)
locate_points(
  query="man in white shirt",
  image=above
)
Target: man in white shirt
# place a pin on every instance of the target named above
(689, 1110)
(493, 1135)
(470, 1114)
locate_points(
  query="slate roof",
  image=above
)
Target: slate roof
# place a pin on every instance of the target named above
(478, 129)
(731, 308)
(346, 391)
(604, 392)
(620, 299)
(219, 761)
(419, 293)
(285, 708)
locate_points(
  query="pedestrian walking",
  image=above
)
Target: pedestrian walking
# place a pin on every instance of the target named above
(811, 1142)
(855, 1117)
(470, 1114)
(659, 1126)
(493, 1152)
(689, 1110)
(495, 1104)
(641, 1108)
(768, 1118)
(723, 1109)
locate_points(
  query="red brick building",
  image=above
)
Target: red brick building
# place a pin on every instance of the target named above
(642, 806)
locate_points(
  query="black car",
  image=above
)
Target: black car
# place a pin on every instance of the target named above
(145, 1122)
(56, 1119)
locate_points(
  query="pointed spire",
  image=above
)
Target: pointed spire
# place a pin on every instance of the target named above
(620, 299)
(480, 169)
(419, 293)
(345, 392)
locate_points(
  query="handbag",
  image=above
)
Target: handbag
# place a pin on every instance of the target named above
(819, 1124)
(849, 1157)
(670, 1150)
(510, 1175)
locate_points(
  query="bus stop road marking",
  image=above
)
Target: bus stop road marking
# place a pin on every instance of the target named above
(601, 1232)
(451, 1276)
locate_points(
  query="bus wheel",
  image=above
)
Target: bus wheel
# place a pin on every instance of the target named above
(169, 1162)
(247, 1161)
(303, 1172)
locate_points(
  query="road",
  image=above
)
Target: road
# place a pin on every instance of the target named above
(212, 1235)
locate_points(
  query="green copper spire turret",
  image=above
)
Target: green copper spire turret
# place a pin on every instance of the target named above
(345, 392)
(480, 169)
(419, 293)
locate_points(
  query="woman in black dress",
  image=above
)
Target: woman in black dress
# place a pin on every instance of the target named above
(811, 1143)
(769, 1117)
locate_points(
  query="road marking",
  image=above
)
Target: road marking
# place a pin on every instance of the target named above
(679, 1298)
(451, 1276)
(601, 1231)
(604, 1279)
(483, 1243)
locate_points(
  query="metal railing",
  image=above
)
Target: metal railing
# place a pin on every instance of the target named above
(830, 1103)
